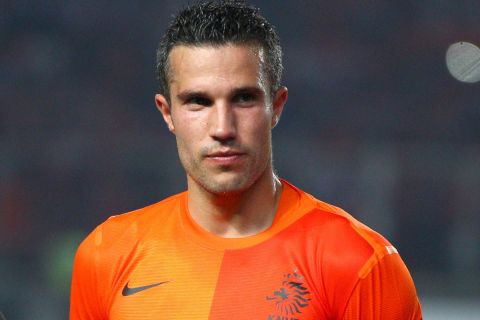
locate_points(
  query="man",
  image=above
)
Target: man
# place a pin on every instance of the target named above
(240, 243)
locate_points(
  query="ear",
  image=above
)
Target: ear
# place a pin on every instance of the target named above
(279, 100)
(164, 107)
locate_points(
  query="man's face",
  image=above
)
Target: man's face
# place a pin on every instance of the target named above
(221, 114)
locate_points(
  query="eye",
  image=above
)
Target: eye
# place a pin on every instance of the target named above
(199, 100)
(244, 98)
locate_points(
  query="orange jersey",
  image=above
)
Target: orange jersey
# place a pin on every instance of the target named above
(314, 262)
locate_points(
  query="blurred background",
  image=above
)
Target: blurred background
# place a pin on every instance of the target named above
(374, 124)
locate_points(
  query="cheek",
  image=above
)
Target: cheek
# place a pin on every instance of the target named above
(186, 151)
(259, 137)
(188, 133)
(185, 142)
(259, 126)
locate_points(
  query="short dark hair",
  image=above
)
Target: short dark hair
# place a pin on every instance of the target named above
(218, 23)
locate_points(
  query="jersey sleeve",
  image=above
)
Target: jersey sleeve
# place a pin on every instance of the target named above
(386, 292)
(85, 299)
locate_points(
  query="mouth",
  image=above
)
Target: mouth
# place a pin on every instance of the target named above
(226, 153)
(227, 157)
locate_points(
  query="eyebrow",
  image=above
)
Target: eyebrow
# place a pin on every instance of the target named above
(189, 94)
(251, 89)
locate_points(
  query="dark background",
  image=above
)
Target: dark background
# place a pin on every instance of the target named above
(374, 124)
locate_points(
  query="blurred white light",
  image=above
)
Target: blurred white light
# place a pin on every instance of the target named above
(463, 62)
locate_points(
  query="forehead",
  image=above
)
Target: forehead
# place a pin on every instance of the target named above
(226, 61)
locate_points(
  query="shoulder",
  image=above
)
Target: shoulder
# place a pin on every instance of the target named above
(105, 254)
(156, 210)
(336, 226)
(125, 230)
(348, 238)
(342, 242)
(345, 250)
(139, 220)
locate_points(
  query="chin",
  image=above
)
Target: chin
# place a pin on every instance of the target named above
(226, 186)
(227, 182)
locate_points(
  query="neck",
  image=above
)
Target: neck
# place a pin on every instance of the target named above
(236, 214)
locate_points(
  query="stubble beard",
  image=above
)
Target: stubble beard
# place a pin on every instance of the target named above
(227, 181)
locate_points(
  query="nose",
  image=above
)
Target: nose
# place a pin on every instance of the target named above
(222, 122)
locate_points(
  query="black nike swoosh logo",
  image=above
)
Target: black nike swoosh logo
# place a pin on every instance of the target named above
(129, 291)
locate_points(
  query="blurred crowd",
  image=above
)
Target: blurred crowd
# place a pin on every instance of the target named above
(374, 124)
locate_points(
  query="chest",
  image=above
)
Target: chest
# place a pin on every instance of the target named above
(274, 280)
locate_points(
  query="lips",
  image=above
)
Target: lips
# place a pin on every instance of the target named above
(227, 157)
(220, 154)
